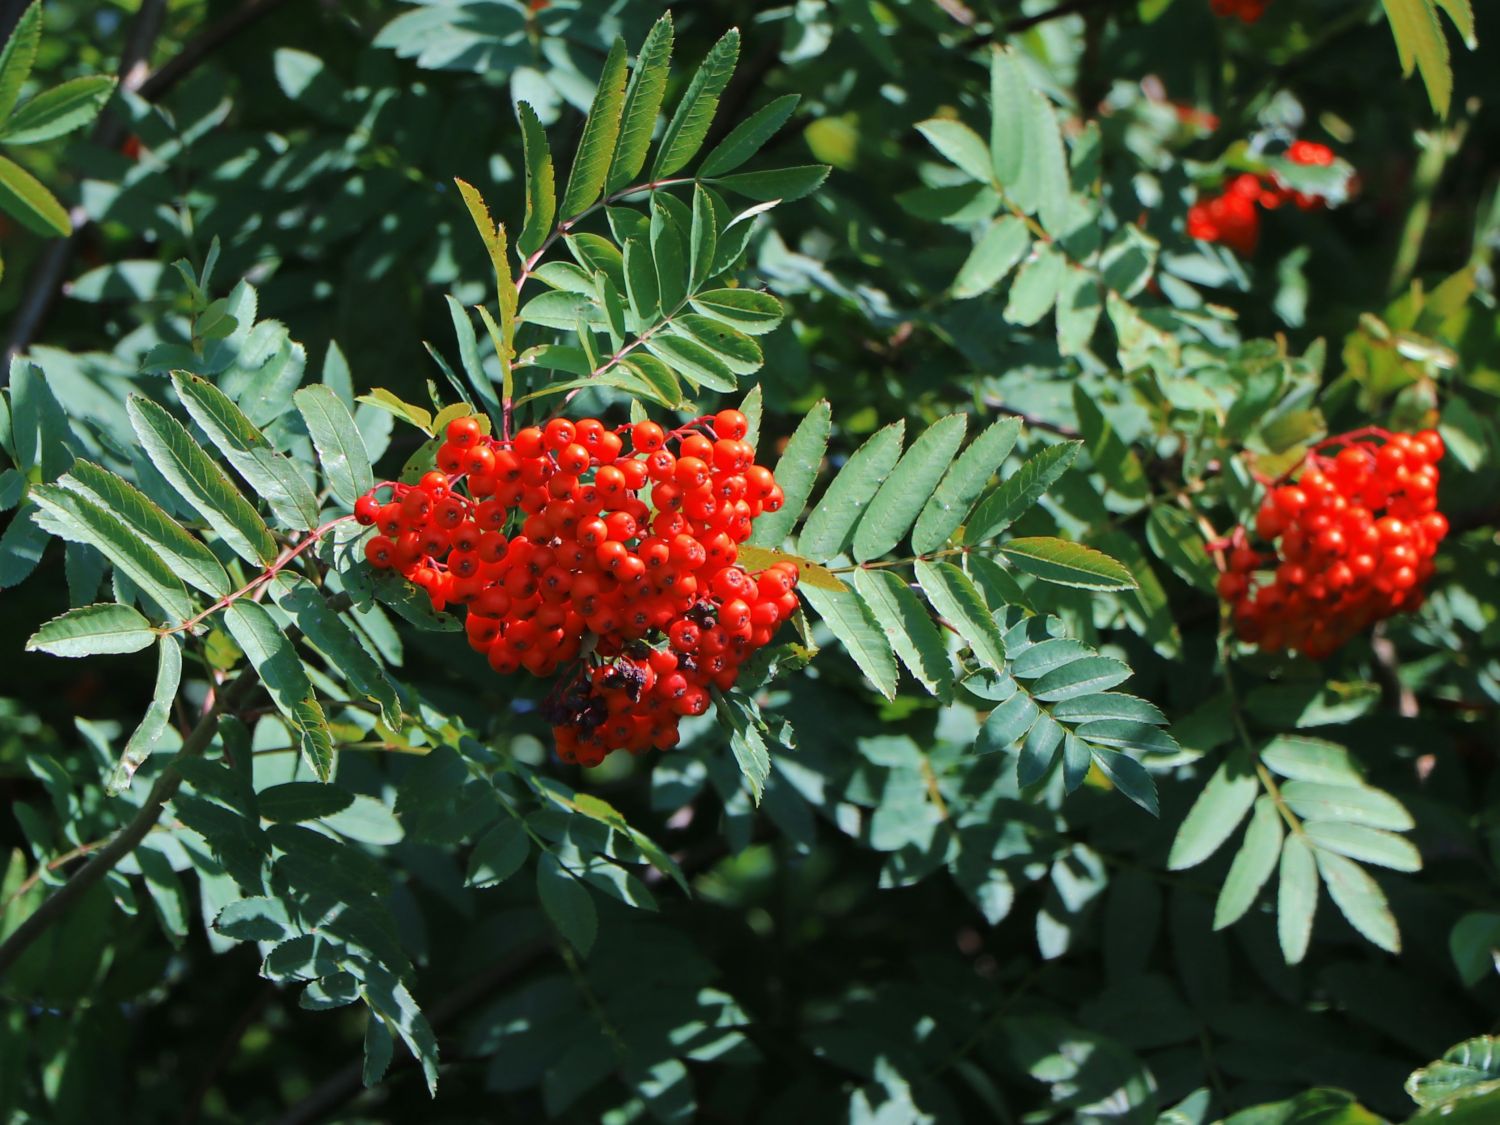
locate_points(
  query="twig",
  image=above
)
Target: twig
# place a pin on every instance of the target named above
(125, 841)
(1388, 673)
(1031, 420)
(52, 865)
(254, 585)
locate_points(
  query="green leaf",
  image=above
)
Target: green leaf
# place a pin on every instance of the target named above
(93, 629)
(703, 241)
(746, 138)
(1018, 493)
(958, 602)
(1068, 564)
(1081, 677)
(961, 146)
(640, 283)
(1113, 458)
(908, 628)
(1469, 1068)
(1360, 899)
(905, 492)
(597, 145)
(391, 404)
(747, 741)
(1311, 759)
(779, 185)
(18, 55)
(1010, 99)
(389, 999)
(292, 802)
(202, 483)
(567, 903)
(144, 739)
(1036, 287)
(1127, 734)
(79, 520)
(1420, 44)
(830, 523)
(1008, 723)
(1369, 845)
(752, 311)
(693, 361)
(336, 639)
(1355, 804)
(187, 556)
(1217, 812)
(850, 620)
(1462, 15)
(499, 854)
(272, 656)
(58, 111)
(1474, 945)
(341, 451)
(796, 471)
(269, 474)
(1049, 166)
(1106, 705)
(1003, 244)
(24, 197)
(1040, 750)
(1296, 899)
(735, 350)
(541, 182)
(493, 235)
(1252, 865)
(1129, 777)
(643, 97)
(1175, 538)
(689, 125)
(668, 256)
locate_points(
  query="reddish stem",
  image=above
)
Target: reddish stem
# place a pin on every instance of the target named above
(287, 556)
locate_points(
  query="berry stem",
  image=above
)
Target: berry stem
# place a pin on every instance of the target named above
(282, 561)
(1267, 781)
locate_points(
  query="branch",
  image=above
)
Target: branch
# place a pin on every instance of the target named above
(126, 840)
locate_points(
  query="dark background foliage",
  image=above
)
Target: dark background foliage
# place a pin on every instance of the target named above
(839, 955)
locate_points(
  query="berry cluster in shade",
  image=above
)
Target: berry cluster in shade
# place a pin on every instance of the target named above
(1233, 216)
(1247, 11)
(1348, 543)
(608, 565)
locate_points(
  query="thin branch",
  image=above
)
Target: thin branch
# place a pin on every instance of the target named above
(188, 59)
(1031, 420)
(1388, 672)
(125, 841)
(255, 584)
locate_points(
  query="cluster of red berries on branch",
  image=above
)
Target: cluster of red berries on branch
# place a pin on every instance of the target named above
(613, 569)
(1348, 543)
(1231, 217)
(1248, 11)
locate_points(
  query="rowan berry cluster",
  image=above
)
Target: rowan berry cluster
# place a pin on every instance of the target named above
(1231, 216)
(614, 567)
(1349, 543)
(1248, 11)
